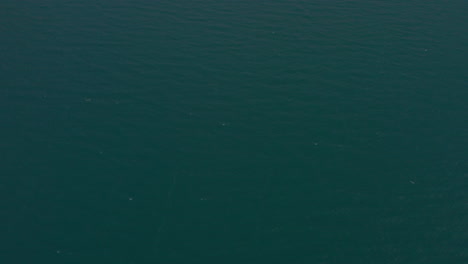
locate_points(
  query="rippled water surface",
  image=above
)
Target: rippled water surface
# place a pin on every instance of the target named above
(233, 131)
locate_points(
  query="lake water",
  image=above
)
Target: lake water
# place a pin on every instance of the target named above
(233, 131)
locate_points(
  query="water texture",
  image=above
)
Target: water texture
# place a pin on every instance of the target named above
(233, 131)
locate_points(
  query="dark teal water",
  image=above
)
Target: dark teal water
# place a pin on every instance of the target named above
(233, 131)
